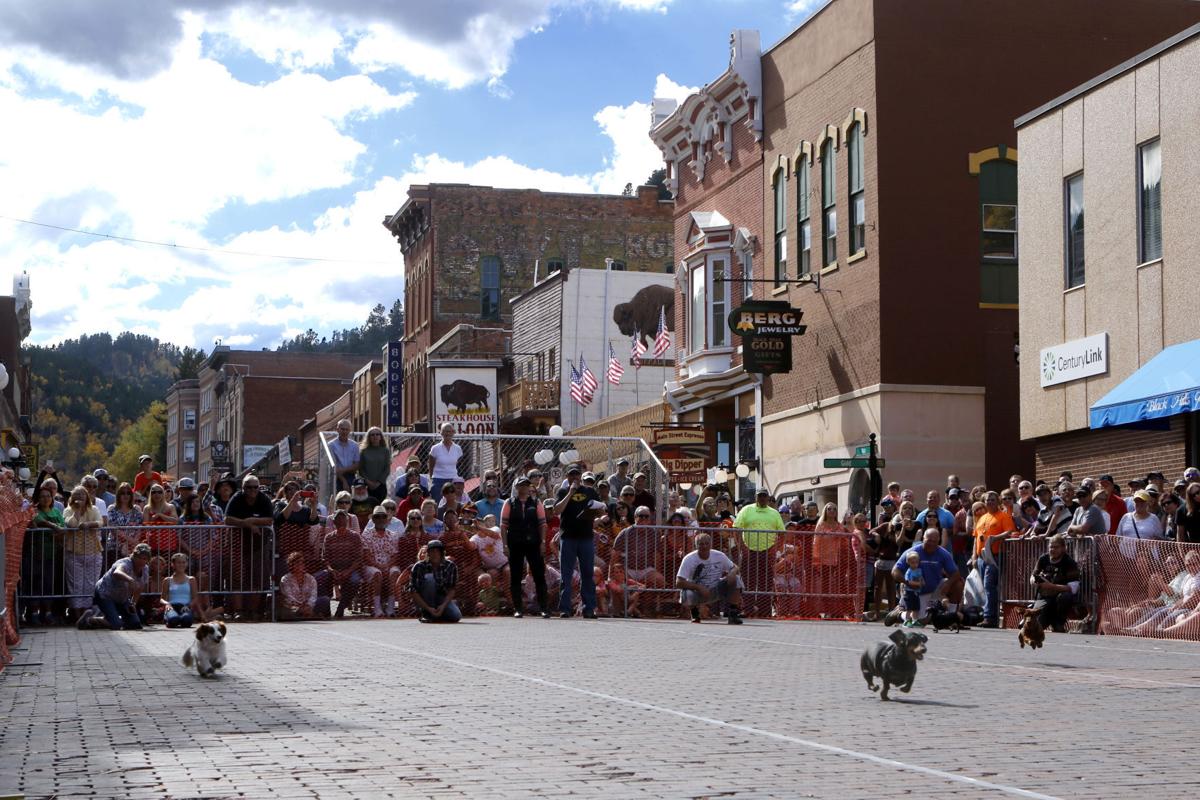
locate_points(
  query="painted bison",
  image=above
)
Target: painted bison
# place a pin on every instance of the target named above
(461, 394)
(640, 314)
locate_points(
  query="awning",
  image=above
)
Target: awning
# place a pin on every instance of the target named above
(1166, 385)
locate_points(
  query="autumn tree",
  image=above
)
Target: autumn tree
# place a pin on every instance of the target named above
(147, 434)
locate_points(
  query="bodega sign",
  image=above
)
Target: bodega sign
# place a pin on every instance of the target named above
(1070, 361)
(766, 328)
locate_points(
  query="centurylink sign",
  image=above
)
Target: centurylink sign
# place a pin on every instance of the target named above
(1070, 361)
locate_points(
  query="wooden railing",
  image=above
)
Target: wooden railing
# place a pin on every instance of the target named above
(527, 395)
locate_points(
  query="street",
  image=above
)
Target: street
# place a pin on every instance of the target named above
(519, 708)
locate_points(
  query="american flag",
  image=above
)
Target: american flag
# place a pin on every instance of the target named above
(639, 349)
(615, 370)
(662, 342)
(577, 392)
(587, 379)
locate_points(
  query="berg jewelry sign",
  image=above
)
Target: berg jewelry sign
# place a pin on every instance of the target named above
(766, 328)
(1070, 361)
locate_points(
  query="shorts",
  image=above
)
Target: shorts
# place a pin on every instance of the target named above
(639, 575)
(884, 564)
(911, 601)
(689, 597)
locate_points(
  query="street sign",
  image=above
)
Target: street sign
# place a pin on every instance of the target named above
(852, 463)
(863, 450)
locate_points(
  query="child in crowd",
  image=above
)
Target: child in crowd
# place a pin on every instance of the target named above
(490, 600)
(179, 595)
(617, 586)
(913, 581)
(601, 591)
(491, 549)
(298, 592)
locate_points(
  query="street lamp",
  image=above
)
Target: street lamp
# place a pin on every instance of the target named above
(742, 470)
(721, 475)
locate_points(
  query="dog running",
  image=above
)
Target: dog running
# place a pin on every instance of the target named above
(207, 652)
(893, 662)
(1032, 633)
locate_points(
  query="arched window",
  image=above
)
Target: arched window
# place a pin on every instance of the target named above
(829, 203)
(858, 205)
(780, 226)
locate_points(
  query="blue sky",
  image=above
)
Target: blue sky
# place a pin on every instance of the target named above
(293, 127)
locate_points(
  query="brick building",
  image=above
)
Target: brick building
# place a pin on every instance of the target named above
(252, 399)
(16, 396)
(468, 250)
(365, 406)
(911, 300)
(183, 416)
(1110, 362)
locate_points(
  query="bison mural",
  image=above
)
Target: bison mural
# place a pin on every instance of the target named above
(640, 314)
(462, 394)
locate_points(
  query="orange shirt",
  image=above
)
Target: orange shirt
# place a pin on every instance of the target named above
(990, 525)
(141, 484)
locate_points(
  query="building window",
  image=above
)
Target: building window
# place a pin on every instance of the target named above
(858, 201)
(172, 423)
(170, 457)
(997, 226)
(618, 265)
(780, 227)
(803, 222)
(553, 265)
(1074, 232)
(551, 365)
(189, 451)
(708, 304)
(1000, 231)
(189, 419)
(829, 202)
(1150, 202)
(489, 288)
(669, 267)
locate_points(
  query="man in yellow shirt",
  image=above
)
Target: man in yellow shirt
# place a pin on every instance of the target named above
(756, 524)
(991, 528)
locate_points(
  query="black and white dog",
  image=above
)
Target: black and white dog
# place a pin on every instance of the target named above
(208, 651)
(894, 662)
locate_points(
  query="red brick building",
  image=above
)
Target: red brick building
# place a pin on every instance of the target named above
(468, 250)
(888, 185)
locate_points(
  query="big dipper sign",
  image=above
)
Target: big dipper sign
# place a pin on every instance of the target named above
(766, 328)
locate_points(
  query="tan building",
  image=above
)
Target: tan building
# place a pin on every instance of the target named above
(1110, 344)
(183, 410)
(365, 406)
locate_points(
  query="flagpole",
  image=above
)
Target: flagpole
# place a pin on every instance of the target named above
(608, 262)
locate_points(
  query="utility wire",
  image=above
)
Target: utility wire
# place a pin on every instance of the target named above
(195, 248)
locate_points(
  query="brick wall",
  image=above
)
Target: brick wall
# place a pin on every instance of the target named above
(274, 407)
(1120, 452)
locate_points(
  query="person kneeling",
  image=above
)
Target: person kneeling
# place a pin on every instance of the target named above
(433, 585)
(708, 576)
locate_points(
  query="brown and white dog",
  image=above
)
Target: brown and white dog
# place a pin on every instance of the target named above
(1032, 633)
(208, 651)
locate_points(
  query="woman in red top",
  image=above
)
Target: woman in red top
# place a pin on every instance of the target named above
(158, 511)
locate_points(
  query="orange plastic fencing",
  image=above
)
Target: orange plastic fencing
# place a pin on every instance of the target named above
(14, 519)
(1151, 587)
(1019, 558)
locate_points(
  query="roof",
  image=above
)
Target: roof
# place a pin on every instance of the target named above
(1104, 77)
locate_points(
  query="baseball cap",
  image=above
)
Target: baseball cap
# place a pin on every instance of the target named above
(1153, 476)
(100, 473)
(587, 476)
(1042, 487)
(1082, 492)
(1136, 483)
(360, 482)
(1108, 478)
(436, 543)
(144, 457)
(186, 483)
(1152, 491)
(887, 501)
(522, 481)
(623, 462)
(1191, 473)
(953, 492)
(379, 511)
(573, 470)
(416, 487)
(1142, 495)
(762, 490)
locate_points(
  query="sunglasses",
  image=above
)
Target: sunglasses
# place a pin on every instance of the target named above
(643, 516)
(343, 502)
(156, 491)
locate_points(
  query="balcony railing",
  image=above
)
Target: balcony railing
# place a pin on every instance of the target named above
(527, 395)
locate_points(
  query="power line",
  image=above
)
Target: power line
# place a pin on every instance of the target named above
(195, 248)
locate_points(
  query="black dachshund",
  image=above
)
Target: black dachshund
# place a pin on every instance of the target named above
(894, 662)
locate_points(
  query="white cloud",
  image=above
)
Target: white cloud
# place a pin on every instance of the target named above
(799, 10)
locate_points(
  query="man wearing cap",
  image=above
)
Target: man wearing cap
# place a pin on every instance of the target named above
(432, 585)
(642, 496)
(1053, 516)
(250, 510)
(576, 508)
(102, 490)
(523, 531)
(1115, 504)
(342, 555)
(146, 477)
(115, 597)
(412, 501)
(620, 479)
(361, 502)
(1087, 519)
(1134, 485)
(380, 546)
(185, 487)
(756, 525)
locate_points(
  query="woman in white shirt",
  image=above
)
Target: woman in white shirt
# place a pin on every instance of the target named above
(443, 460)
(1140, 523)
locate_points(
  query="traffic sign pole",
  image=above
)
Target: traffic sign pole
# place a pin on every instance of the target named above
(874, 466)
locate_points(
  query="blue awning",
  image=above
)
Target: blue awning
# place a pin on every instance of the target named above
(1166, 385)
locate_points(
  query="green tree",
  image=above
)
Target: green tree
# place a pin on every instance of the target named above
(190, 361)
(659, 178)
(148, 434)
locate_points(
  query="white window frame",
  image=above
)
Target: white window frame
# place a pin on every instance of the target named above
(189, 445)
(715, 331)
(983, 207)
(189, 419)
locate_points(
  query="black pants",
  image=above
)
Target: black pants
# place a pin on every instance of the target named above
(518, 553)
(1055, 610)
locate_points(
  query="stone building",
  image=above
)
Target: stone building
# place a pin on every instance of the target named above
(469, 250)
(885, 208)
(1110, 358)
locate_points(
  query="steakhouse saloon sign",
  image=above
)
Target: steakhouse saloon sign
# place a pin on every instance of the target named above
(767, 328)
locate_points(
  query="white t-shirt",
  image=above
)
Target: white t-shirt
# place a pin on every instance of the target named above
(704, 571)
(101, 506)
(491, 550)
(1149, 528)
(445, 460)
(383, 547)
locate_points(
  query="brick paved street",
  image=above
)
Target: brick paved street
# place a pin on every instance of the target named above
(517, 708)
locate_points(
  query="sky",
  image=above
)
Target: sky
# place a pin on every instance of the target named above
(266, 141)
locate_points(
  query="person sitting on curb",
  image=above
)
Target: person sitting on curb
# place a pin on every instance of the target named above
(115, 597)
(708, 576)
(432, 585)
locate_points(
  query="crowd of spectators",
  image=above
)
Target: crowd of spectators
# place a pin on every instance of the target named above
(119, 554)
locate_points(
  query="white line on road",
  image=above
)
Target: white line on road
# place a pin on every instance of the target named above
(782, 737)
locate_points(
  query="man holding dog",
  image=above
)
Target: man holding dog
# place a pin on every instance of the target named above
(940, 574)
(1056, 578)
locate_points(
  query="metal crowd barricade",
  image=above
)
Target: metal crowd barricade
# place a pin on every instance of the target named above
(1018, 559)
(785, 574)
(233, 566)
